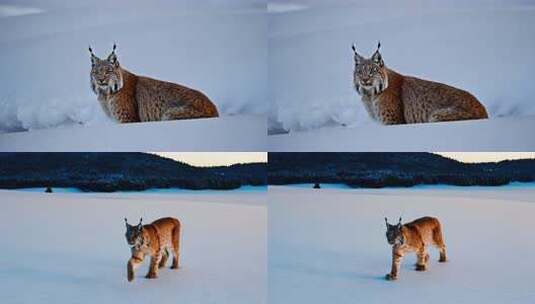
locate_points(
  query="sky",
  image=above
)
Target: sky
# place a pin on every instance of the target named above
(479, 157)
(208, 159)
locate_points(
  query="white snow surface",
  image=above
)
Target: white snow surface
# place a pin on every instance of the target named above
(238, 133)
(70, 248)
(329, 245)
(503, 134)
(481, 46)
(218, 47)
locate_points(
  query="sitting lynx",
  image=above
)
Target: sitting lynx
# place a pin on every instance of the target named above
(414, 237)
(127, 97)
(156, 240)
(392, 98)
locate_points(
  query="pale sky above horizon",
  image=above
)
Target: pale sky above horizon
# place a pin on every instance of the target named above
(479, 157)
(207, 159)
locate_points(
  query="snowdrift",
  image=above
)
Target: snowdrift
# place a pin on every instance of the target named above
(329, 245)
(229, 133)
(505, 134)
(70, 248)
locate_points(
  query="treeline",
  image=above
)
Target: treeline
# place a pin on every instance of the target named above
(378, 170)
(107, 172)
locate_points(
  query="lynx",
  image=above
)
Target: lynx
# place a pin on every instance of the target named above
(156, 240)
(391, 98)
(126, 97)
(414, 237)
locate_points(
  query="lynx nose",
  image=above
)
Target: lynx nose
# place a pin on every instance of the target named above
(366, 82)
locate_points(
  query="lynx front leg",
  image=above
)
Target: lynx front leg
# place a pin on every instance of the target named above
(396, 262)
(153, 268)
(133, 263)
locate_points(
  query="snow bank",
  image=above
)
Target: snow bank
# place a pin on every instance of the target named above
(70, 248)
(480, 46)
(329, 246)
(218, 48)
(229, 133)
(505, 134)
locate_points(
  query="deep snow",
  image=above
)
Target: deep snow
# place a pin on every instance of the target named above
(217, 47)
(329, 245)
(480, 46)
(504, 134)
(70, 248)
(240, 133)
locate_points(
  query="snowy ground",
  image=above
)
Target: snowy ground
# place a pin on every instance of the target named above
(481, 46)
(218, 47)
(70, 248)
(500, 134)
(329, 245)
(231, 133)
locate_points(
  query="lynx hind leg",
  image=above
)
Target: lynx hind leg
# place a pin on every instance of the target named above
(439, 243)
(176, 247)
(450, 114)
(165, 256)
(182, 112)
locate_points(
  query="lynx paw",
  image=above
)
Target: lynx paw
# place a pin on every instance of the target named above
(442, 260)
(390, 277)
(420, 267)
(130, 278)
(151, 275)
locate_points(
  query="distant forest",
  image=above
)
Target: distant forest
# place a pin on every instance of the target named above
(378, 170)
(107, 172)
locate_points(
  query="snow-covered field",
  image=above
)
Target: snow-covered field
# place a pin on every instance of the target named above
(230, 133)
(70, 248)
(499, 134)
(482, 46)
(329, 245)
(218, 47)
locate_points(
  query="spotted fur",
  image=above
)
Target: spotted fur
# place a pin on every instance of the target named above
(392, 98)
(154, 240)
(126, 97)
(414, 237)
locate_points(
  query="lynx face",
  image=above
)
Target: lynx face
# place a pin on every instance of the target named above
(393, 233)
(106, 77)
(134, 234)
(369, 74)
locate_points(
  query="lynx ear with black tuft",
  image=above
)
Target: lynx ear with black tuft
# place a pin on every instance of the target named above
(356, 56)
(399, 223)
(93, 57)
(126, 222)
(386, 222)
(376, 57)
(112, 58)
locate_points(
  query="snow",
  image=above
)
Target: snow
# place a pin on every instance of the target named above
(70, 248)
(217, 47)
(329, 246)
(480, 46)
(504, 134)
(230, 133)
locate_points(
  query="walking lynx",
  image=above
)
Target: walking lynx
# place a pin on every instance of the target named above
(155, 239)
(127, 97)
(414, 237)
(392, 98)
